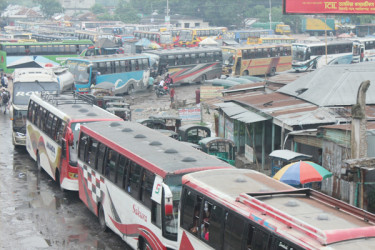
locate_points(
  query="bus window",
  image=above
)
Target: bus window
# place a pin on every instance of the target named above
(127, 66)
(171, 61)
(145, 64)
(214, 228)
(82, 147)
(117, 67)
(146, 187)
(91, 152)
(121, 171)
(134, 179)
(110, 170)
(260, 240)
(187, 59)
(101, 153)
(233, 232)
(191, 212)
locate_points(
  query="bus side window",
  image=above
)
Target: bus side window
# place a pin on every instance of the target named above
(82, 146)
(233, 231)
(54, 128)
(92, 146)
(110, 164)
(260, 239)
(146, 187)
(134, 180)
(30, 111)
(100, 155)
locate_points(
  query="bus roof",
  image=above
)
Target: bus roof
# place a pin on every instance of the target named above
(113, 57)
(254, 46)
(183, 50)
(322, 43)
(34, 74)
(308, 213)
(162, 154)
(64, 42)
(74, 108)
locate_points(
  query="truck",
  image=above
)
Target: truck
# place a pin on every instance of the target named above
(278, 27)
(318, 26)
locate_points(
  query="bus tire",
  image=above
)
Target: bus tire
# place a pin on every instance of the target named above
(101, 216)
(203, 79)
(38, 162)
(143, 244)
(130, 90)
(245, 73)
(273, 71)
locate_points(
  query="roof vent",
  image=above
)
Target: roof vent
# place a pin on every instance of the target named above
(171, 151)
(76, 106)
(83, 110)
(139, 136)
(114, 124)
(155, 143)
(323, 217)
(92, 114)
(189, 159)
(292, 203)
(240, 179)
(127, 130)
(301, 91)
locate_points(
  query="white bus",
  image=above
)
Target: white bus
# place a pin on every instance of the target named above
(313, 55)
(52, 129)
(27, 81)
(130, 177)
(364, 49)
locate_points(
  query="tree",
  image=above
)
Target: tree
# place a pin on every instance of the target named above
(126, 13)
(98, 9)
(50, 7)
(3, 4)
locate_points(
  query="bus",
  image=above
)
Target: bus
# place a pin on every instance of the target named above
(163, 39)
(94, 36)
(94, 25)
(246, 36)
(119, 73)
(276, 39)
(52, 129)
(306, 53)
(16, 55)
(189, 65)
(262, 59)
(363, 49)
(130, 177)
(191, 37)
(245, 209)
(27, 81)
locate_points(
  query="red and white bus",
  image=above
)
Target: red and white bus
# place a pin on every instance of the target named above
(52, 130)
(163, 39)
(130, 177)
(245, 209)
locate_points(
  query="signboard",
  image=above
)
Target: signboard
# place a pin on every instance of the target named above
(249, 153)
(208, 92)
(329, 6)
(190, 114)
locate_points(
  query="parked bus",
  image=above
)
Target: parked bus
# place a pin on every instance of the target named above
(94, 25)
(94, 36)
(27, 81)
(246, 36)
(189, 65)
(16, 55)
(262, 59)
(191, 37)
(121, 73)
(130, 177)
(363, 49)
(163, 39)
(313, 55)
(52, 130)
(245, 209)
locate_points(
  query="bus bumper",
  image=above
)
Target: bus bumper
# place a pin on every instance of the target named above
(70, 184)
(19, 139)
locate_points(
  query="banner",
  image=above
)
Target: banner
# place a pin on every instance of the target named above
(190, 114)
(329, 6)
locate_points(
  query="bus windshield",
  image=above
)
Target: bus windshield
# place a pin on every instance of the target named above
(19, 120)
(171, 221)
(23, 90)
(79, 71)
(299, 53)
(228, 58)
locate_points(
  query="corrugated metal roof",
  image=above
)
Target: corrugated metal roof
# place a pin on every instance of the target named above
(237, 112)
(334, 85)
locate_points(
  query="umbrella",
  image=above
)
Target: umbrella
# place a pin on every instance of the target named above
(302, 172)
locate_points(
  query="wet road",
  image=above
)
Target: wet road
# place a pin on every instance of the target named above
(35, 214)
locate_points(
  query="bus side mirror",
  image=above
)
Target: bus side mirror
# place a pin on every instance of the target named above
(168, 201)
(70, 137)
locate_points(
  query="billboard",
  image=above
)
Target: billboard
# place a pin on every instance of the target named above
(329, 7)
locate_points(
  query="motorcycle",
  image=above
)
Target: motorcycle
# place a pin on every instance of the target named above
(160, 91)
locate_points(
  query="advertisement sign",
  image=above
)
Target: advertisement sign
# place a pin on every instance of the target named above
(190, 114)
(329, 7)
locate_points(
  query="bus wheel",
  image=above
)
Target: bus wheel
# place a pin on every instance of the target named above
(130, 90)
(143, 244)
(203, 79)
(38, 162)
(245, 73)
(102, 224)
(273, 72)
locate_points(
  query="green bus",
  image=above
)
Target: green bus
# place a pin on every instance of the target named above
(39, 54)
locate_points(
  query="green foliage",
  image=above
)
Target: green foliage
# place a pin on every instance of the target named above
(98, 9)
(3, 4)
(50, 7)
(126, 13)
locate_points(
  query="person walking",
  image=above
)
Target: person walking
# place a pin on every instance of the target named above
(5, 96)
(172, 94)
(4, 81)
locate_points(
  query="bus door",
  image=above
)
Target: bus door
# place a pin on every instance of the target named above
(238, 67)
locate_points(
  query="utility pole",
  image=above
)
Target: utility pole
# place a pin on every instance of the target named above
(270, 15)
